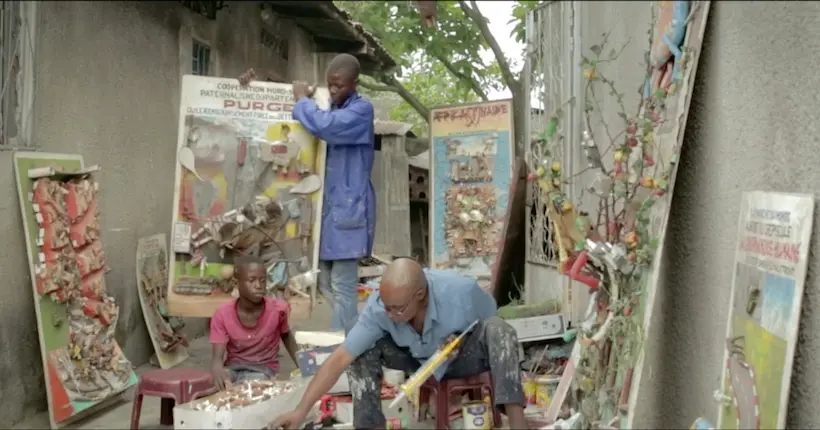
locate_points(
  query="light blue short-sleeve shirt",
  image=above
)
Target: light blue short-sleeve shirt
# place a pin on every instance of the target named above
(455, 301)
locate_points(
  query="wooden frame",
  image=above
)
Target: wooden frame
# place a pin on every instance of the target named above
(23, 162)
(468, 120)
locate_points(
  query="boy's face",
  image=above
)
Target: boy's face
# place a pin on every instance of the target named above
(251, 280)
(340, 85)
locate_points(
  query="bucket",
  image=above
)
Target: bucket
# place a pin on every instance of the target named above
(476, 415)
(545, 387)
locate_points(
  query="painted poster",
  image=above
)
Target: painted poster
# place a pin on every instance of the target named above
(774, 231)
(83, 364)
(152, 283)
(471, 171)
(248, 182)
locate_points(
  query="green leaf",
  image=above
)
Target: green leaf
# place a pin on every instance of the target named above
(596, 49)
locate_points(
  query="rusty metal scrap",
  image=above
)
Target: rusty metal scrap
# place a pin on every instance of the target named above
(470, 221)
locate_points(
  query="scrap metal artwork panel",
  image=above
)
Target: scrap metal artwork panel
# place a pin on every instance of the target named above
(548, 81)
(471, 170)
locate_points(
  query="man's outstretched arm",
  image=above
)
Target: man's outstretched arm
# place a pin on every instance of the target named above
(337, 127)
(362, 336)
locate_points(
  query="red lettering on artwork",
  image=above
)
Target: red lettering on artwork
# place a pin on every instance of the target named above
(768, 248)
(257, 106)
(472, 115)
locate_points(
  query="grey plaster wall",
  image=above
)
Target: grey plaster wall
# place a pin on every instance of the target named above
(108, 78)
(753, 125)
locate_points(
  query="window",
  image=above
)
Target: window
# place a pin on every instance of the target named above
(201, 54)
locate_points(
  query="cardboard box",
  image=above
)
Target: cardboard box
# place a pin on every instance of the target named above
(256, 416)
(404, 410)
(318, 347)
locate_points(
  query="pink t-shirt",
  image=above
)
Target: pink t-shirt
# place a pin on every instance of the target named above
(257, 345)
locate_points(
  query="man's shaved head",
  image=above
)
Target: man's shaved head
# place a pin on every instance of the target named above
(403, 289)
(404, 273)
(344, 64)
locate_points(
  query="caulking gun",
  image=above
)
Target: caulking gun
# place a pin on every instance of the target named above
(430, 366)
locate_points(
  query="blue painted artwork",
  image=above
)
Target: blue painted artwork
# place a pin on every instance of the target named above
(472, 173)
(778, 305)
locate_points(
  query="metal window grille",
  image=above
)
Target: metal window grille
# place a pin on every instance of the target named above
(17, 21)
(548, 80)
(201, 54)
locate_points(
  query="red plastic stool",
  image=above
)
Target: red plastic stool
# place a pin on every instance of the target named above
(477, 386)
(173, 387)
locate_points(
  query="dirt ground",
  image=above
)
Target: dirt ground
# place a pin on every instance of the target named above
(118, 416)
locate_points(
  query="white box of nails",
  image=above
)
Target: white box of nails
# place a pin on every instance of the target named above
(245, 406)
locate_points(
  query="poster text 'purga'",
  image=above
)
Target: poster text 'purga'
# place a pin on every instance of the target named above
(472, 115)
(257, 106)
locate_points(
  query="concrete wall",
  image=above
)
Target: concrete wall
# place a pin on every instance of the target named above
(753, 125)
(108, 78)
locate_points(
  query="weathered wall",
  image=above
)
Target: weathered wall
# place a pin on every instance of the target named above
(108, 79)
(753, 125)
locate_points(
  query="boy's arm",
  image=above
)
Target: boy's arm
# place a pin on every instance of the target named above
(336, 127)
(288, 339)
(219, 341)
(290, 344)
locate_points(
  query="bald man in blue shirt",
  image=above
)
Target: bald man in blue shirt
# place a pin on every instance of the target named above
(414, 313)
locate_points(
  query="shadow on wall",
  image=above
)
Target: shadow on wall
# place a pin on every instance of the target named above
(752, 124)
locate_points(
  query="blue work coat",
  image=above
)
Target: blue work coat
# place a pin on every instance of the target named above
(349, 206)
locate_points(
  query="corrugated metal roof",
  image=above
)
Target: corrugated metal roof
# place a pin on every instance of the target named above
(325, 20)
(422, 160)
(383, 127)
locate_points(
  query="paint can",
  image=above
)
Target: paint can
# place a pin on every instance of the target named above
(395, 423)
(476, 415)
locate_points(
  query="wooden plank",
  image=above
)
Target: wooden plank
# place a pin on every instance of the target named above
(398, 198)
(380, 244)
(65, 405)
(152, 286)
(231, 180)
(514, 226)
(672, 131)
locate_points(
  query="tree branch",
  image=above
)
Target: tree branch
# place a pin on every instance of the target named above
(394, 86)
(376, 87)
(475, 15)
(468, 79)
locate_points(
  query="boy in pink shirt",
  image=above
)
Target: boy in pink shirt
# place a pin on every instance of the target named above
(245, 333)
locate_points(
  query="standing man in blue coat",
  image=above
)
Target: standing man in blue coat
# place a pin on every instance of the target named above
(349, 206)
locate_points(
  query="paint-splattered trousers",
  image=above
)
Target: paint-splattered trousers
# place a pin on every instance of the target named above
(249, 372)
(492, 345)
(338, 280)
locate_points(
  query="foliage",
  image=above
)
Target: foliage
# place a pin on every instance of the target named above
(441, 65)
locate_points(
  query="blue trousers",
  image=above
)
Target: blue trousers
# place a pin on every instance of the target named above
(337, 282)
